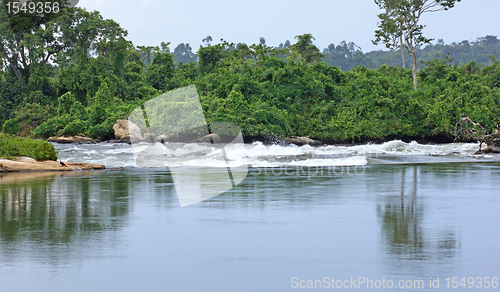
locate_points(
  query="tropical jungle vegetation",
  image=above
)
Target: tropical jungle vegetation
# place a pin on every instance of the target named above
(75, 73)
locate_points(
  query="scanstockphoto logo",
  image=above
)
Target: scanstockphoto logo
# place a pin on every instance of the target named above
(172, 132)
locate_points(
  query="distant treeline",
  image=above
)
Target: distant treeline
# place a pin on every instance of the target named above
(348, 55)
(75, 73)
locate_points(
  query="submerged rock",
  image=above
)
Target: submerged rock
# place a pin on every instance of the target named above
(208, 139)
(303, 141)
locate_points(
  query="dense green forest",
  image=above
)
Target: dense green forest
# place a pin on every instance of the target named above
(75, 73)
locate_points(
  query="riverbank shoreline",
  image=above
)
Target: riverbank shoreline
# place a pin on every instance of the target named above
(272, 140)
(26, 164)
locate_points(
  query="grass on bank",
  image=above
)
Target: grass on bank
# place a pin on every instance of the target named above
(11, 146)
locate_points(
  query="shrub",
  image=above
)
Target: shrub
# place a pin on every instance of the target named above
(17, 146)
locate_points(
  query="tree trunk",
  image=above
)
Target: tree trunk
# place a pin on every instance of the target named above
(414, 73)
(402, 51)
(14, 69)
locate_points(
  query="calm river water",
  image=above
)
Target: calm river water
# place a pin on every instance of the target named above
(390, 213)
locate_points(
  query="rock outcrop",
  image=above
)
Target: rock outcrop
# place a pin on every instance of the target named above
(126, 130)
(69, 140)
(24, 164)
(303, 141)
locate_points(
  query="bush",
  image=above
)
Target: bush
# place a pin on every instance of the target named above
(36, 149)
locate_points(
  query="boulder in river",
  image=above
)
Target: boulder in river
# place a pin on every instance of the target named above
(126, 130)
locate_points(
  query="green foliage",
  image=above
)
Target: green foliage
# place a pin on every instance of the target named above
(210, 56)
(399, 26)
(102, 131)
(12, 126)
(492, 73)
(78, 110)
(36, 149)
(76, 127)
(160, 71)
(27, 118)
(306, 49)
(349, 55)
(66, 101)
(97, 115)
(80, 75)
(52, 127)
(11, 96)
(183, 54)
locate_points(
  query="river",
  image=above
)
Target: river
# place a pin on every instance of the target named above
(394, 214)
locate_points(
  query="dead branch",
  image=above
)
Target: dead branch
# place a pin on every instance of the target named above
(465, 133)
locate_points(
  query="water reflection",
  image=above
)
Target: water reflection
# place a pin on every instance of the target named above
(43, 210)
(125, 230)
(403, 229)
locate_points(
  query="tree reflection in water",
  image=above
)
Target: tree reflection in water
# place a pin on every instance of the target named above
(49, 210)
(403, 231)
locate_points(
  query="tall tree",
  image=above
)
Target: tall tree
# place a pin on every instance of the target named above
(184, 53)
(207, 40)
(86, 33)
(399, 25)
(341, 55)
(28, 39)
(306, 48)
(161, 69)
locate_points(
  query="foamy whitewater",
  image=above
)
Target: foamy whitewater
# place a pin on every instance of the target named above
(260, 155)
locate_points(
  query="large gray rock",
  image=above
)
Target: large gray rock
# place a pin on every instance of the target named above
(126, 130)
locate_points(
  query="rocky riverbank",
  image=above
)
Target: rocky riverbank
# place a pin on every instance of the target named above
(26, 164)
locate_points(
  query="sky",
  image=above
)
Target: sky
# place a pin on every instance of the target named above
(150, 22)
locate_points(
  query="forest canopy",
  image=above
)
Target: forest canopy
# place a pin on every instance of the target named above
(76, 73)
